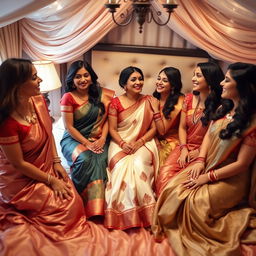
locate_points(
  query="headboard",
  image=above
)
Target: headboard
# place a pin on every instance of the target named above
(108, 60)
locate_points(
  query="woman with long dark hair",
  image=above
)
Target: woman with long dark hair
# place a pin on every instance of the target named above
(198, 109)
(84, 144)
(167, 110)
(209, 207)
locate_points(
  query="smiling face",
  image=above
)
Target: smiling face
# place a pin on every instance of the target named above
(229, 90)
(32, 86)
(134, 83)
(82, 79)
(199, 82)
(162, 84)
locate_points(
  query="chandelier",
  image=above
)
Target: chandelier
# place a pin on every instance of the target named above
(141, 10)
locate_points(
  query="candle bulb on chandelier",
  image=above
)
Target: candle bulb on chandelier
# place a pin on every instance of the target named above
(169, 2)
(111, 1)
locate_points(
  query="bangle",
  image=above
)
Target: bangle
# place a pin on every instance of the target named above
(212, 176)
(49, 177)
(121, 143)
(183, 146)
(200, 159)
(56, 160)
(157, 116)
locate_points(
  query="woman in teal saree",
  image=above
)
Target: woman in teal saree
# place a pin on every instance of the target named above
(84, 143)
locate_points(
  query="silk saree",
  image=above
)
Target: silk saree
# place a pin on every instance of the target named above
(130, 198)
(88, 169)
(35, 222)
(170, 140)
(215, 218)
(195, 135)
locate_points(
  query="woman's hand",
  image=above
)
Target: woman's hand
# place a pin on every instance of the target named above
(194, 183)
(91, 146)
(184, 157)
(60, 188)
(194, 170)
(193, 154)
(99, 144)
(127, 148)
(60, 171)
(135, 146)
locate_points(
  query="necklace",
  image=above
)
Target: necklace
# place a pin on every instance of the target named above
(31, 118)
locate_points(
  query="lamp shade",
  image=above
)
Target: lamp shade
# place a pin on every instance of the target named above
(47, 72)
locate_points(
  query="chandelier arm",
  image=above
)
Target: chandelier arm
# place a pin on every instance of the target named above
(124, 23)
(161, 24)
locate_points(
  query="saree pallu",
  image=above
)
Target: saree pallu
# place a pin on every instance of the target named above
(195, 135)
(88, 169)
(171, 139)
(130, 198)
(210, 219)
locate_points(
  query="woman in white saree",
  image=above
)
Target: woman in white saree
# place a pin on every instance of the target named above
(132, 156)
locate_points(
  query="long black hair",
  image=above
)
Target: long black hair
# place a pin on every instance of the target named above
(125, 74)
(174, 78)
(213, 75)
(94, 88)
(13, 73)
(245, 76)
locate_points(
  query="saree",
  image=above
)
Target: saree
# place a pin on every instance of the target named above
(129, 193)
(170, 140)
(195, 135)
(35, 222)
(210, 219)
(88, 169)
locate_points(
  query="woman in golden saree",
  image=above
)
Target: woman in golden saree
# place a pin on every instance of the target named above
(168, 109)
(132, 157)
(196, 112)
(209, 208)
(85, 143)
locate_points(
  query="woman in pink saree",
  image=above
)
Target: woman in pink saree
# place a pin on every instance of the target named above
(196, 112)
(132, 157)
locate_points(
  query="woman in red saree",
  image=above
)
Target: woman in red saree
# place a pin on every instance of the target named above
(40, 211)
(133, 156)
(168, 92)
(195, 115)
(209, 208)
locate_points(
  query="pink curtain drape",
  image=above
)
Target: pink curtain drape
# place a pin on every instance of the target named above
(225, 29)
(63, 30)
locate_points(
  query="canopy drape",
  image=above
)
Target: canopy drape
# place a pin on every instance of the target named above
(63, 30)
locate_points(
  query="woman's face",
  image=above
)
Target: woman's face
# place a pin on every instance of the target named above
(134, 83)
(32, 86)
(162, 84)
(229, 90)
(82, 79)
(199, 82)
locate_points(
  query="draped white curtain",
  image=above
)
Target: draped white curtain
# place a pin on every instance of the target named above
(65, 29)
